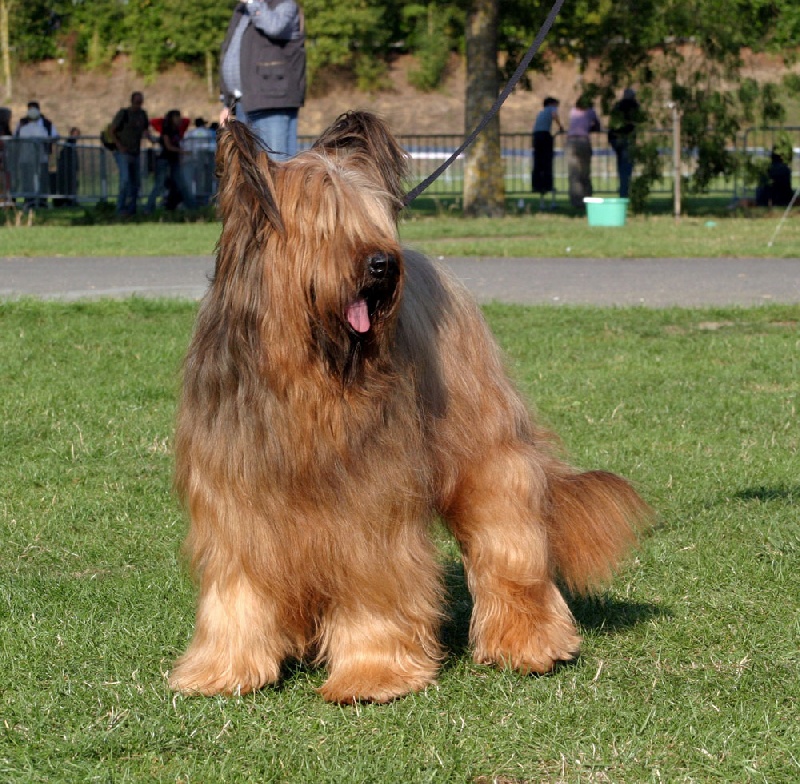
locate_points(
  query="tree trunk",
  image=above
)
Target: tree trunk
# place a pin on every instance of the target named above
(210, 73)
(5, 46)
(484, 186)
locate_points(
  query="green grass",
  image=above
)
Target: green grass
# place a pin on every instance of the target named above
(524, 235)
(641, 237)
(690, 668)
(136, 239)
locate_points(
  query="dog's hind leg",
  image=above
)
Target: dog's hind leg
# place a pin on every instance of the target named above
(379, 637)
(519, 619)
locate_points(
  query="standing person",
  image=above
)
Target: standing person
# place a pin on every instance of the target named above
(542, 143)
(625, 116)
(583, 121)
(34, 154)
(67, 169)
(5, 166)
(775, 188)
(169, 172)
(263, 62)
(200, 144)
(128, 127)
(5, 121)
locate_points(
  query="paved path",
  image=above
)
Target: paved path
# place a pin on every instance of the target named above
(648, 282)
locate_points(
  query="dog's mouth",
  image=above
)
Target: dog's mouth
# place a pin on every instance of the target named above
(377, 295)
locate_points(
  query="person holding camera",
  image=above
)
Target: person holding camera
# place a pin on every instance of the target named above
(263, 71)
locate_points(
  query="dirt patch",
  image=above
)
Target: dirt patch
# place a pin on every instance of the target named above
(89, 99)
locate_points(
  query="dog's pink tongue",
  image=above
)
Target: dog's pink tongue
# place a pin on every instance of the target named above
(358, 315)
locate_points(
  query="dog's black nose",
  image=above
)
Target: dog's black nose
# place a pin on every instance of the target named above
(381, 264)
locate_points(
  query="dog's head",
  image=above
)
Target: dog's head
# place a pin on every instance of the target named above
(309, 251)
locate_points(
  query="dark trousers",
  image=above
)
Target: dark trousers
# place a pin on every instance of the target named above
(130, 180)
(542, 175)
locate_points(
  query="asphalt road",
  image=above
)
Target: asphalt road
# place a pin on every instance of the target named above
(622, 282)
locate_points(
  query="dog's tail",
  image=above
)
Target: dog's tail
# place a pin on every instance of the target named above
(594, 519)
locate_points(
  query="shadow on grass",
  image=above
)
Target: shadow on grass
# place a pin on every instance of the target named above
(766, 493)
(458, 608)
(607, 615)
(597, 614)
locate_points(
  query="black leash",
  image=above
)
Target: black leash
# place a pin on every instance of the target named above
(512, 83)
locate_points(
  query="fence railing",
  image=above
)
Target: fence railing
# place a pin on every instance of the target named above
(82, 171)
(429, 151)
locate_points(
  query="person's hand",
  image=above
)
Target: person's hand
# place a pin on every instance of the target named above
(224, 115)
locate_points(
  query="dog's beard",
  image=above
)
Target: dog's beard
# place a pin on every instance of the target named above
(377, 295)
(358, 334)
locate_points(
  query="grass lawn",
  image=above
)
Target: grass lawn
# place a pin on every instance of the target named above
(544, 235)
(690, 669)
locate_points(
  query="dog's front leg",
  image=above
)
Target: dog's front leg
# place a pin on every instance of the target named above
(243, 630)
(237, 646)
(379, 635)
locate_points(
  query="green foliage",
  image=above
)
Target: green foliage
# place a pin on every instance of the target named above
(98, 55)
(783, 146)
(353, 35)
(33, 29)
(372, 73)
(146, 36)
(688, 55)
(635, 40)
(432, 38)
(99, 24)
(647, 162)
(791, 82)
(196, 31)
(683, 52)
(753, 169)
(712, 121)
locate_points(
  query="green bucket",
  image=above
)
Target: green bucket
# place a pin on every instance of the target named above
(606, 212)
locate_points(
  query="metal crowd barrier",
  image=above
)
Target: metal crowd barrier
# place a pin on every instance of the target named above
(81, 171)
(36, 172)
(427, 152)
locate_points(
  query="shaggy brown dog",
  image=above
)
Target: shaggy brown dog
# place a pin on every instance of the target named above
(339, 391)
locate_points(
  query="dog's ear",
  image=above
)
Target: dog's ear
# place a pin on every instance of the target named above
(363, 134)
(245, 174)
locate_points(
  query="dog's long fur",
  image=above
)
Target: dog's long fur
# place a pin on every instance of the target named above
(338, 392)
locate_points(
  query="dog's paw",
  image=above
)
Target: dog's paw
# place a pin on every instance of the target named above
(192, 677)
(529, 650)
(374, 684)
(527, 639)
